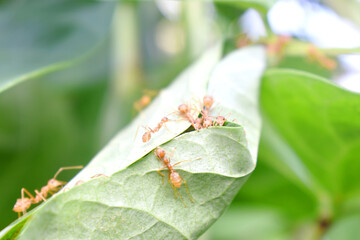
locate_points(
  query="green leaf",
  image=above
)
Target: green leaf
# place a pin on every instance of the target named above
(324, 148)
(346, 228)
(311, 137)
(308, 166)
(62, 34)
(132, 202)
(261, 5)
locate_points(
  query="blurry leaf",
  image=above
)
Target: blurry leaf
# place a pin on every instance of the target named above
(132, 202)
(311, 137)
(346, 228)
(307, 173)
(320, 123)
(42, 128)
(304, 64)
(268, 201)
(346, 8)
(261, 5)
(40, 37)
(243, 223)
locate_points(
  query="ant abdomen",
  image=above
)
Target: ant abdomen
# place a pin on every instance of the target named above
(146, 137)
(175, 179)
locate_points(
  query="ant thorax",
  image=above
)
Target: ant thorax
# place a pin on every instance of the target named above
(166, 160)
(45, 190)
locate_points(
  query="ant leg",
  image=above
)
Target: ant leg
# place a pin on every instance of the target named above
(189, 160)
(187, 189)
(161, 174)
(173, 188)
(168, 128)
(136, 133)
(23, 190)
(191, 120)
(198, 101)
(40, 195)
(79, 182)
(66, 168)
(99, 175)
(172, 152)
(176, 192)
(147, 128)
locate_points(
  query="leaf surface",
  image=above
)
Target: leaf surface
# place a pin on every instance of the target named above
(132, 203)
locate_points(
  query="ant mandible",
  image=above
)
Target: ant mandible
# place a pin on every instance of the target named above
(175, 180)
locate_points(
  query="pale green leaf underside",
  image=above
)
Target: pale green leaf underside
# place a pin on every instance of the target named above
(132, 203)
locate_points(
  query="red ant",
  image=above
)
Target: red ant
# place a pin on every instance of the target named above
(185, 111)
(23, 203)
(147, 135)
(208, 102)
(144, 100)
(322, 59)
(220, 120)
(198, 123)
(53, 186)
(174, 177)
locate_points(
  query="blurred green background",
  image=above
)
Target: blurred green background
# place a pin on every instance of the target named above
(83, 64)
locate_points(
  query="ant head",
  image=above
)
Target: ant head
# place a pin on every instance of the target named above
(164, 119)
(208, 101)
(183, 108)
(220, 120)
(160, 153)
(146, 137)
(53, 183)
(207, 122)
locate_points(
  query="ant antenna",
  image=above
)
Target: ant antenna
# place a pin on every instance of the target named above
(66, 168)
